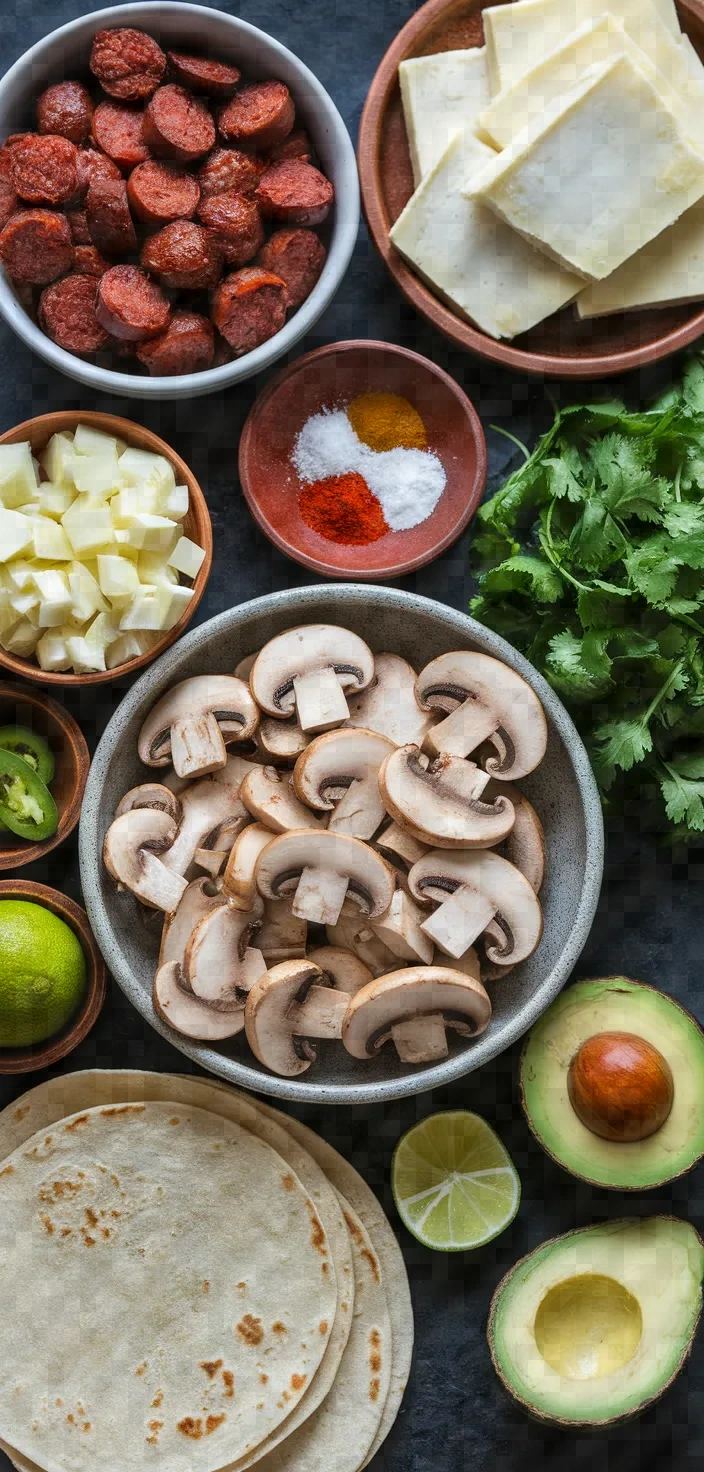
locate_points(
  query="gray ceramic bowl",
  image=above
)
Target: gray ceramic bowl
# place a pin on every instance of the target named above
(563, 791)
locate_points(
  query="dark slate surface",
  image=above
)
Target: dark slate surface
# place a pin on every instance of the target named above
(455, 1416)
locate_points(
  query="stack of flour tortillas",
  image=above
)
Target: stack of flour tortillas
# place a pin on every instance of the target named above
(190, 1281)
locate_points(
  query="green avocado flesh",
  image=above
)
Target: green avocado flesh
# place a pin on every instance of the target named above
(615, 1005)
(594, 1325)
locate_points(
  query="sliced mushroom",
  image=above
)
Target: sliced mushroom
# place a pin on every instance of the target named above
(307, 670)
(150, 795)
(441, 803)
(220, 965)
(270, 797)
(243, 670)
(389, 706)
(352, 932)
(400, 928)
(192, 723)
(341, 969)
(283, 936)
(183, 1012)
(478, 892)
(284, 1009)
(338, 773)
(400, 845)
(207, 806)
(524, 846)
(198, 900)
(414, 1007)
(239, 881)
(132, 849)
(320, 869)
(468, 964)
(485, 701)
(281, 741)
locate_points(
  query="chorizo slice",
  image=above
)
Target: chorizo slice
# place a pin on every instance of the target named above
(119, 131)
(109, 220)
(67, 314)
(8, 194)
(128, 64)
(298, 257)
(87, 261)
(160, 192)
(186, 346)
(130, 305)
(45, 168)
(178, 125)
(249, 307)
(66, 109)
(184, 256)
(91, 165)
(78, 225)
(258, 116)
(295, 192)
(35, 247)
(230, 170)
(297, 145)
(237, 224)
(201, 75)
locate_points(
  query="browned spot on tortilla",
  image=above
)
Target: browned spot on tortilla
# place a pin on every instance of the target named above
(374, 1390)
(89, 1241)
(48, 1139)
(20, 1113)
(47, 1223)
(325, 1267)
(175, 1120)
(66, 1231)
(206, 1286)
(260, 1405)
(155, 1428)
(298, 1381)
(250, 1329)
(158, 1400)
(286, 1396)
(114, 1109)
(228, 1381)
(85, 1426)
(353, 1229)
(141, 1368)
(289, 1183)
(323, 1326)
(91, 1217)
(372, 1263)
(59, 1401)
(241, 1285)
(71, 1418)
(211, 1367)
(190, 1427)
(375, 1338)
(115, 1212)
(75, 1124)
(375, 1362)
(317, 1235)
(106, 1233)
(279, 1328)
(263, 1379)
(213, 1422)
(8, 1170)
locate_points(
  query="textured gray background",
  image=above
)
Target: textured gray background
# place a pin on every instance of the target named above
(455, 1416)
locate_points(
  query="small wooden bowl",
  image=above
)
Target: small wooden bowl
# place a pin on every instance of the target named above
(196, 525)
(330, 378)
(560, 347)
(25, 1060)
(20, 706)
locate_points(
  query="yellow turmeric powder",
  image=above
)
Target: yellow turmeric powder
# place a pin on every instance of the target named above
(386, 422)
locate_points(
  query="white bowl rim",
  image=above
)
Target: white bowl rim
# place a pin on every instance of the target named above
(345, 228)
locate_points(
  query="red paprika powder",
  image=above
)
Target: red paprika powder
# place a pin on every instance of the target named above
(343, 509)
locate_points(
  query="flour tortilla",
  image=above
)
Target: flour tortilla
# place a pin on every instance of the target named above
(54, 1100)
(121, 1329)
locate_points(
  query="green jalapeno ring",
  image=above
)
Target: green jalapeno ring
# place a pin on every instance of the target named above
(32, 747)
(27, 807)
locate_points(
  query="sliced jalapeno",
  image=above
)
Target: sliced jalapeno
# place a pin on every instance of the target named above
(27, 807)
(31, 747)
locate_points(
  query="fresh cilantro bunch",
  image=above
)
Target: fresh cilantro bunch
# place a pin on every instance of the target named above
(592, 563)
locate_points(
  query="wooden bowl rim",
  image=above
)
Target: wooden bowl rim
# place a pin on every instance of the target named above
(25, 1060)
(17, 858)
(124, 429)
(602, 365)
(394, 569)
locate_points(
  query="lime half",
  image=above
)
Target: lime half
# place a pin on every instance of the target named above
(454, 1184)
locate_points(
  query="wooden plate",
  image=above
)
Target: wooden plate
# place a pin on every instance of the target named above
(21, 706)
(196, 525)
(25, 1060)
(562, 346)
(330, 378)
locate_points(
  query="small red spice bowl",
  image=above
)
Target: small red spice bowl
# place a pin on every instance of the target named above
(331, 378)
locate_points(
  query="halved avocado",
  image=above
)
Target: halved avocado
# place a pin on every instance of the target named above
(615, 1004)
(593, 1326)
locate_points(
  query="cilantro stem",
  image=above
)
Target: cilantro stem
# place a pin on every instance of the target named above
(507, 435)
(678, 478)
(662, 692)
(552, 556)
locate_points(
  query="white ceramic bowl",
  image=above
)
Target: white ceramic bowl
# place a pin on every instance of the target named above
(64, 53)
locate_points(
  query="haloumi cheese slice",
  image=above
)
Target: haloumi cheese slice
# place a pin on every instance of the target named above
(520, 36)
(441, 96)
(605, 171)
(669, 269)
(476, 263)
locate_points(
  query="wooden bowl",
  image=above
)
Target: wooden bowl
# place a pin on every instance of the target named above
(331, 377)
(196, 525)
(21, 706)
(25, 1060)
(562, 346)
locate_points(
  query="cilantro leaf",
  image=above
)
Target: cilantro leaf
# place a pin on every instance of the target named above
(652, 568)
(623, 743)
(683, 791)
(524, 574)
(596, 541)
(567, 672)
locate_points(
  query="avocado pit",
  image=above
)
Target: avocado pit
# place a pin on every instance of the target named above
(620, 1086)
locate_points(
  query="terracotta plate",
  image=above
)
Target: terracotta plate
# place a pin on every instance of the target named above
(330, 378)
(22, 706)
(562, 346)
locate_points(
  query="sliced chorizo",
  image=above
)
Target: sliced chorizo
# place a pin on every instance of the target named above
(230, 170)
(298, 257)
(184, 256)
(130, 305)
(186, 346)
(201, 75)
(45, 168)
(66, 109)
(87, 261)
(109, 220)
(159, 192)
(178, 125)
(8, 194)
(295, 192)
(78, 225)
(237, 224)
(35, 246)
(258, 116)
(128, 64)
(249, 307)
(118, 130)
(67, 314)
(91, 165)
(297, 145)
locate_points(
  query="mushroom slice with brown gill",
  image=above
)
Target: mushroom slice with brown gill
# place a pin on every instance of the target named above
(401, 849)
(484, 701)
(353, 932)
(442, 802)
(320, 869)
(182, 1011)
(212, 814)
(307, 670)
(287, 1007)
(389, 706)
(478, 893)
(191, 725)
(339, 774)
(414, 1007)
(197, 901)
(133, 852)
(283, 936)
(215, 851)
(280, 741)
(238, 881)
(270, 797)
(341, 969)
(150, 795)
(220, 965)
(400, 928)
(524, 846)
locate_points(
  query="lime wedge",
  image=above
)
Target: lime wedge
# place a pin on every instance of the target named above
(454, 1184)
